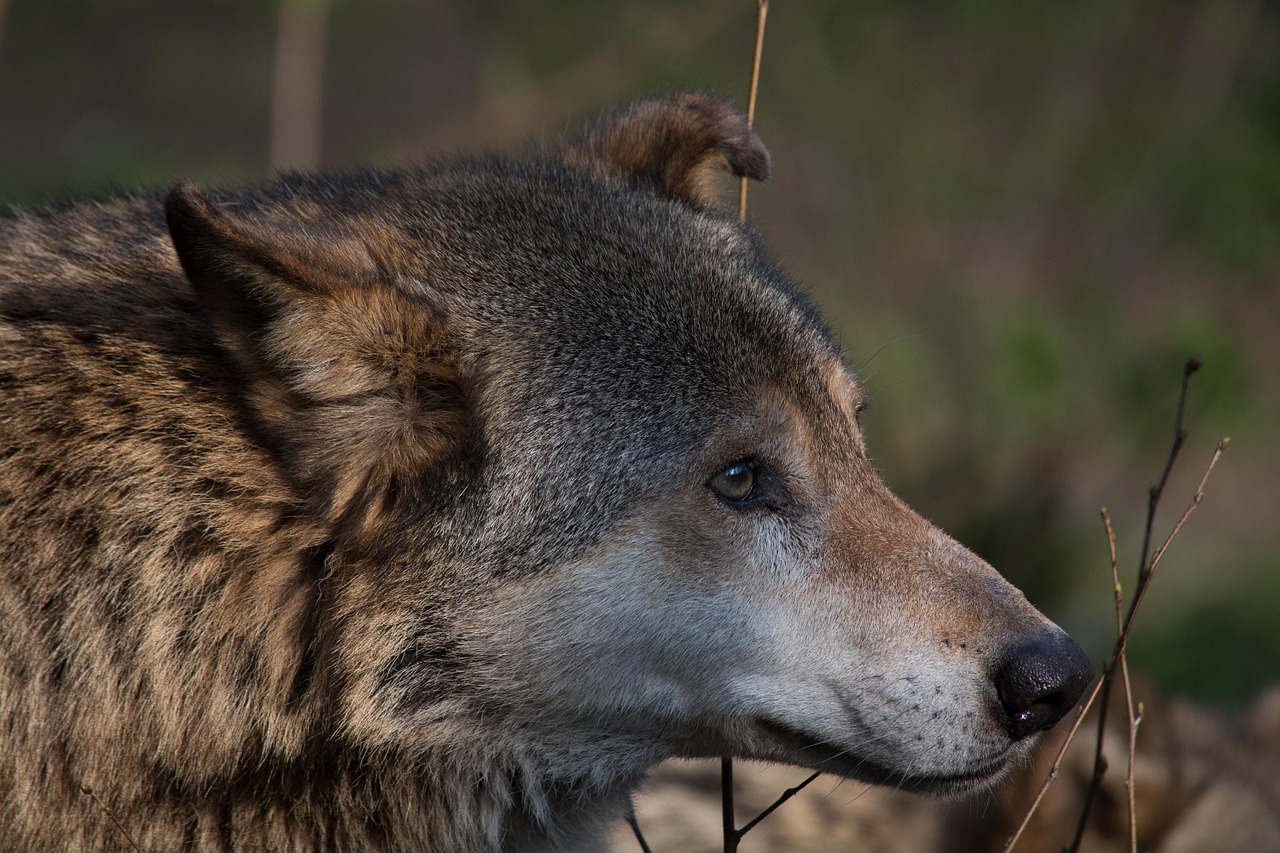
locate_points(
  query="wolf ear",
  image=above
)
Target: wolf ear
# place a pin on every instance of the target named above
(676, 144)
(352, 381)
(246, 273)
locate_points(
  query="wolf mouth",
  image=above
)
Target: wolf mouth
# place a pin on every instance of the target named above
(810, 751)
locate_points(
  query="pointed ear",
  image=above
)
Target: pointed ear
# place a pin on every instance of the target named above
(676, 144)
(244, 272)
(353, 382)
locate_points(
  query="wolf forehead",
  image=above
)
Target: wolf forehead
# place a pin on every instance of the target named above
(562, 290)
(628, 296)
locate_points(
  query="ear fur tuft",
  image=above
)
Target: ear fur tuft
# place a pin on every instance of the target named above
(352, 381)
(676, 144)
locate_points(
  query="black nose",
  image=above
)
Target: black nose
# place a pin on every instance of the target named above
(1039, 680)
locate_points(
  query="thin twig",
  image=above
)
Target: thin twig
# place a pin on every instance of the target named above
(1195, 502)
(635, 827)
(1128, 686)
(1146, 570)
(1135, 720)
(111, 815)
(762, 11)
(1053, 768)
(786, 795)
(728, 823)
(1115, 575)
(1179, 438)
(732, 835)
(1144, 576)
(1102, 687)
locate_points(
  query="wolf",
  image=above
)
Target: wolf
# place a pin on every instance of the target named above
(429, 509)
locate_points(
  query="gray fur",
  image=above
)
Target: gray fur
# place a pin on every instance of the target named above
(351, 522)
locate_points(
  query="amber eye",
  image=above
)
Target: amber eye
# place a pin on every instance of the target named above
(735, 483)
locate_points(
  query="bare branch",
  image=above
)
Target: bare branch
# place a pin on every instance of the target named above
(729, 823)
(1053, 768)
(786, 795)
(635, 827)
(111, 815)
(1146, 571)
(1124, 624)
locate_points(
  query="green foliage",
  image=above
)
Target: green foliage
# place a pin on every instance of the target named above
(1224, 648)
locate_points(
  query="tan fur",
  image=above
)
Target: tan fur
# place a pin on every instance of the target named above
(378, 511)
(651, 145)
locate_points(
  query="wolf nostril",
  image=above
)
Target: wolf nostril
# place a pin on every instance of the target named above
(1038, 681)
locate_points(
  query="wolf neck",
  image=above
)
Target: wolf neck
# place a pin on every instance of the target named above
(557, 800)
(437, 803)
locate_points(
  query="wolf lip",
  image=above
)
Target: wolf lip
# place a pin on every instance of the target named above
(809, 751)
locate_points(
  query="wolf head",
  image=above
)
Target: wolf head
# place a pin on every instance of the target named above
(592, 477)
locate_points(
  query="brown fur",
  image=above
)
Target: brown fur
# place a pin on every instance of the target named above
(678, 146)
(377, 511)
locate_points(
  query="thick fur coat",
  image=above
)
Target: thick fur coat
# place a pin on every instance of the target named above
(429, 509)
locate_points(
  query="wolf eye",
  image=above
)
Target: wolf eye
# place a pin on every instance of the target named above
(735, 483)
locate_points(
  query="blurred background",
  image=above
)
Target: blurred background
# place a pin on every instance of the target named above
(1020, 219)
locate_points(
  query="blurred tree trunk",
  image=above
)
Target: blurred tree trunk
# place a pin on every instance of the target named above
(298, 87)
(4, 13)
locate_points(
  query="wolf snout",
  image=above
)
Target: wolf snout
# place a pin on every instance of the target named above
(1039, 680)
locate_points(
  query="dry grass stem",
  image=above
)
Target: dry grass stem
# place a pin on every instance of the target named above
(762, 11)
